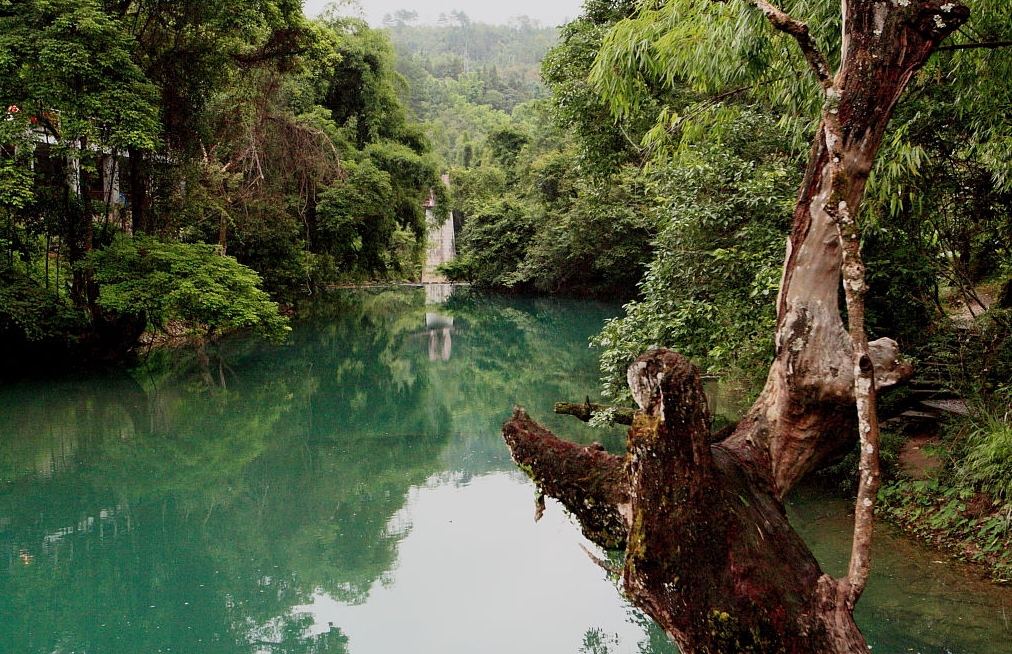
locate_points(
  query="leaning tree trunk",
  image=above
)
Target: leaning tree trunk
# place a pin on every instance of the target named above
(709, 552)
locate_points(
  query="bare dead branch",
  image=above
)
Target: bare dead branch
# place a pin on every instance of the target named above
(970, 46)
(601, 562)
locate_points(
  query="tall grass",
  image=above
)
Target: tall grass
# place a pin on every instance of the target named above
(987, 464)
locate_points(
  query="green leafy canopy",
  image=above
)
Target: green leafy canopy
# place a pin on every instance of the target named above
(726, 50)
(184, 283)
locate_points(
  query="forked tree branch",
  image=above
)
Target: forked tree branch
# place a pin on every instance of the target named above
(788, 25)
(941, 20)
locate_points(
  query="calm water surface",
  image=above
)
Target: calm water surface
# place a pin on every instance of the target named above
(349, 492)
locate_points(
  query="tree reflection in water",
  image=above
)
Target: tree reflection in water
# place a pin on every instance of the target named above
(157, 510)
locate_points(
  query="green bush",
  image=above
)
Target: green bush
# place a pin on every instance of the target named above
(189, 284)
(31, 313)
(493, 242)
(599, 244)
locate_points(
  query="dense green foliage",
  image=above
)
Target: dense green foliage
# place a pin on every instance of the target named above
(935, 224)
(601, 141)
(188, 285)
(543, 225)
(542, 207)
(34, 314)
(281, 141)
(648, 151)
(724, 212)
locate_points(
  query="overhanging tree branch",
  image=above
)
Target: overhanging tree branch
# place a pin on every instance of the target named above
(795, 28)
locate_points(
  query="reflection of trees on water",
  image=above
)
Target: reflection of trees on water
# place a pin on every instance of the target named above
(45, 424)
(596, 641)
(176, 508)
(156, 510)
(515, 350)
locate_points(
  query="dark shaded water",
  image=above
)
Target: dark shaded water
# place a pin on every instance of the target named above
(349, 492)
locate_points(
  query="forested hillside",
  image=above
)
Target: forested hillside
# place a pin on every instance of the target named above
(538, 206)
(166, 164)
(465, 79)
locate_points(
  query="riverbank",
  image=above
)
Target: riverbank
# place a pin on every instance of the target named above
(934, 492)
(929, 493)
(969, 526)
(951, 483)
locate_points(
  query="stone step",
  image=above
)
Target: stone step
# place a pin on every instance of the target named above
(930, 392)
(918, 415)
(926, 383)
(957, 407)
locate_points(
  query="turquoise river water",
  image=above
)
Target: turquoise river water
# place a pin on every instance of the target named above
(349, 491)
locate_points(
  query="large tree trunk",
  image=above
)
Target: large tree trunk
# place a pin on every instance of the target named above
(709, 553)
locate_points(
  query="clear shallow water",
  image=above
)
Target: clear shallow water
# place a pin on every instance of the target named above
(349, 492)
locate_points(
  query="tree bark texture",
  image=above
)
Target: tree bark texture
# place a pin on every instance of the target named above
(709, 552)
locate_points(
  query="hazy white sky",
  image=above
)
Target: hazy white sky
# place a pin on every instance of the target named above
(549, 12)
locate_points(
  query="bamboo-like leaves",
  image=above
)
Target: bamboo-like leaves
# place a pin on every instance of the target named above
(714, 48)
